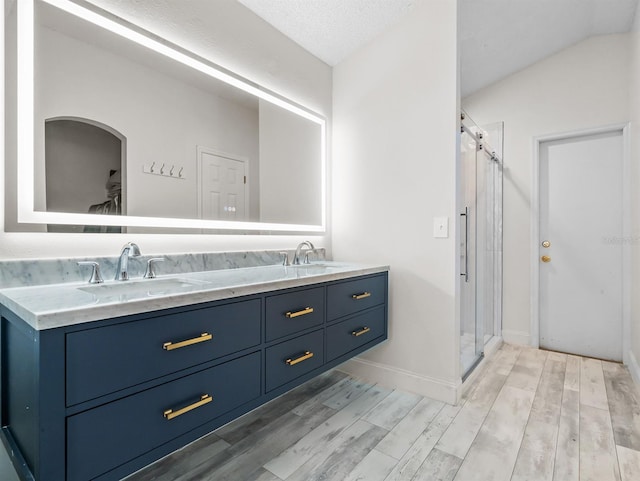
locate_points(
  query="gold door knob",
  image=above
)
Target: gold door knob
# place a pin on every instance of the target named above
(545, 259)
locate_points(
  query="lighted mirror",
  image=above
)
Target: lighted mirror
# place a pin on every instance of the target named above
(117, 129)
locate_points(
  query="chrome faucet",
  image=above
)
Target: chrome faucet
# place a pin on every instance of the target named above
(296, 257)
(129, 250)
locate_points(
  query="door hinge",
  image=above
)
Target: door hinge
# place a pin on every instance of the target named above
(245, 179)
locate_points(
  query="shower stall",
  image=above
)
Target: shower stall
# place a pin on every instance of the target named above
(480, 239)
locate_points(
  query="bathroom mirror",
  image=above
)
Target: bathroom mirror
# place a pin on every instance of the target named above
(118, 129)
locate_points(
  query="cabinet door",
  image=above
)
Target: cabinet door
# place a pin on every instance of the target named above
(107, 359)
(344, 298)
(354, 332)
(293, 312)
(291, 359)
(103, 438)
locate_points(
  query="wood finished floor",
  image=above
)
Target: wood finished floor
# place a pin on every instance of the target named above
(529, 415)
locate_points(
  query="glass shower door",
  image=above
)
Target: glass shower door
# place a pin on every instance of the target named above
(481, 240)
(470, 328)
(490, 240)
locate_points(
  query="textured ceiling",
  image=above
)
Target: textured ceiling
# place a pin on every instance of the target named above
(330, 29)
(497, 37)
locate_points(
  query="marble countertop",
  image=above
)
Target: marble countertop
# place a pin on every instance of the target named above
(56, 305)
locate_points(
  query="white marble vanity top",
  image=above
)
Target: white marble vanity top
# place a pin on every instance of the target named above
(56, 305)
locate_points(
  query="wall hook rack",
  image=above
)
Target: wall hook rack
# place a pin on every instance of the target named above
(164, 171)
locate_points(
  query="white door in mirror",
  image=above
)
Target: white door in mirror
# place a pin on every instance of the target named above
(222, 187)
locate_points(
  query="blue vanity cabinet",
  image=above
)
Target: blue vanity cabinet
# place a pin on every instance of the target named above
(357, 314)
(107, 359)
(355, 331)
(292, 359)
(110, 435)
(294, 312)
(102, 399)
(348, 297)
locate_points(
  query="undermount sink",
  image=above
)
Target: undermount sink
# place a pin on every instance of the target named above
(321, 263)
(318, 265)
(143, 287)
(315, 265)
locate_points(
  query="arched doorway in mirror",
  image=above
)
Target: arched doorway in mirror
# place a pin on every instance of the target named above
(84, 170)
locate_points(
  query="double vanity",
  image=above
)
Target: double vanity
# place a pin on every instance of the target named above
(100, 380)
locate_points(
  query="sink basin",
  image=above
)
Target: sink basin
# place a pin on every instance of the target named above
(143, 288)
(315, 265)
(318, 266)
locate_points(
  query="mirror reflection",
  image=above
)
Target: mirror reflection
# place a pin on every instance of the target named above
(123, 130)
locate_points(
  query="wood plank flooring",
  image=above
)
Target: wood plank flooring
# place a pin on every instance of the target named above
(529, 415)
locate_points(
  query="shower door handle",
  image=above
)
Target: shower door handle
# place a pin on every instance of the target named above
(465, 215)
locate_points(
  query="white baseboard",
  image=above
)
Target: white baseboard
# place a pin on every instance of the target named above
(493, 345)
(634, 367)
(522, 338)
(396, 378)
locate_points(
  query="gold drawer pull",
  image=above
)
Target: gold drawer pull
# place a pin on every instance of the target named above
(306, 310)
(204, 399)
(364, 295)
(304, 357)
(362, 331)
(170, 346)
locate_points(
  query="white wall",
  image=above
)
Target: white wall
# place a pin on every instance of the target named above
(394, 169)
(634, 106)
(290, 187)
(584, 86)
(229, 34)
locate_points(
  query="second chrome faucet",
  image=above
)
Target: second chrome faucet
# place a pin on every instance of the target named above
(130, 249)
(296, 256)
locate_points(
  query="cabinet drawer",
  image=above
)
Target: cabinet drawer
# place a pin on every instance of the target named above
(293, 312)
(104, 360)
(352, 296)
(103, 438)
(356, 331)
(291, 359)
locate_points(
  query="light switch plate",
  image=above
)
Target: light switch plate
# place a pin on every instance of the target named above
(441, 227)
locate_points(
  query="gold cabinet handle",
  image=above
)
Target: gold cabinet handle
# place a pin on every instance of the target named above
(362, 331)
(364, 295)
(169, 414)
(304, 357)
(545, 259)
(306, 310)
(170, 346)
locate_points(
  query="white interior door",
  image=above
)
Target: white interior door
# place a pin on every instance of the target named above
(222, 187)
(581, 209)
